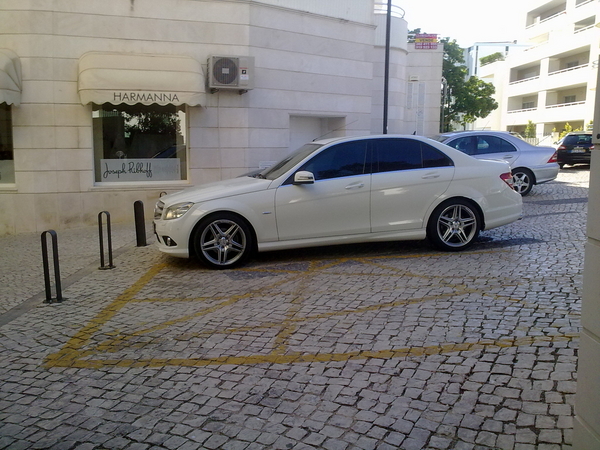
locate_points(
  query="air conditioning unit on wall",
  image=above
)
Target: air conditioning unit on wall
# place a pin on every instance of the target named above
(230, 73)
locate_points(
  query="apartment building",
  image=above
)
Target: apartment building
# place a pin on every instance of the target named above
(551, 82)
(478, 50)
(106, 103)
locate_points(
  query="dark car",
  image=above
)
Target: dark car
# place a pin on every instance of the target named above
(574, 148)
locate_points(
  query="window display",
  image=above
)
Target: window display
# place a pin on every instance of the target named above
(137, 143)
(7, 163)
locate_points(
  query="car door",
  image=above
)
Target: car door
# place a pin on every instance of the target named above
(484, 146)
(408, 175)
(336, 204)
(495, 147)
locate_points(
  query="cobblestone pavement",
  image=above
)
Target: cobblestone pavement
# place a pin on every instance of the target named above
(387, 346)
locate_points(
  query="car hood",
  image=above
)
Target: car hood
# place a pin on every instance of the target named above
(218, 189)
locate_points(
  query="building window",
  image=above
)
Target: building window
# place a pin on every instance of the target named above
(570, 98)
(137, 143)
(572, 64)
(528, 105)
(7, 163)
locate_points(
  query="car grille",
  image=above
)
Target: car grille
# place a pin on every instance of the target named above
(158, 210)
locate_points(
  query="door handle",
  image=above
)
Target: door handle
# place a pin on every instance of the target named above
(430, 176)
(355, 186)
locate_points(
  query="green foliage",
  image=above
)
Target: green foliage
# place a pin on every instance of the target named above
(530, 130)
(498, 56)
(151, 122)
(465, 99)
(568, 128)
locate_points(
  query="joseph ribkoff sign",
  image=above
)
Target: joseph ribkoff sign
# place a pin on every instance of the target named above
(141, 169)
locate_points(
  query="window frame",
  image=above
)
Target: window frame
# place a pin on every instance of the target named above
(139, 165)
(7, 164)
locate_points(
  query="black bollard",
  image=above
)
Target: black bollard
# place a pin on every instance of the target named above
(54, 237)
(109, 241)
(140, 226)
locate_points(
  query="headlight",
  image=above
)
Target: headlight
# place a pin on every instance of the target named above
(177, 210)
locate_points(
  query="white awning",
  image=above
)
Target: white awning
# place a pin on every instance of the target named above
(10, 77)
(138, 78)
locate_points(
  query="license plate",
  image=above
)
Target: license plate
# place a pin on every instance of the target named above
(578, 150)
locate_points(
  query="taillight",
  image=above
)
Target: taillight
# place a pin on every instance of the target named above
(553, 159)
(508, 179)
(592, 147)
(562, 147)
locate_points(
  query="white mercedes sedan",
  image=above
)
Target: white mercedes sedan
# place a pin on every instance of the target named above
(341, 191)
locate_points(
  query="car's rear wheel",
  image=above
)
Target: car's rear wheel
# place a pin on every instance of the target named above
(223, 241)
(454, 225)
(523, 181)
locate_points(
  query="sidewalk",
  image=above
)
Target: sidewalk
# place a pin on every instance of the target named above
(21, 266)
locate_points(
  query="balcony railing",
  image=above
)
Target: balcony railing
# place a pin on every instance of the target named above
(581, 66)
(564, 105)
(585, 2)
(524, 80)
(581, 30)
(536, 46)
(553, 16)
(381, 8)
(515, 111)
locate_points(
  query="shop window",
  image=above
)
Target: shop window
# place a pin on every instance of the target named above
(137, 143)
(7, 163)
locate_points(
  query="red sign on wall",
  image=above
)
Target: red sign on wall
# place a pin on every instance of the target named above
(426, 41)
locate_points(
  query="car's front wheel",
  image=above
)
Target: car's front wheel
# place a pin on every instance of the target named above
(223, 241)
(454, 225)
(522, 181)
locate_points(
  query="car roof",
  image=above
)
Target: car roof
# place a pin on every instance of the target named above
(467, 132)
(375, 136)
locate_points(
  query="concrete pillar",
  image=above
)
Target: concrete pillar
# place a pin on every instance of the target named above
(586, 435)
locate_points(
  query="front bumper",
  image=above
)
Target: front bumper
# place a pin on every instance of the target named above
(170, 239)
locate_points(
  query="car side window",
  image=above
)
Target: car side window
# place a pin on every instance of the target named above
(432, 157)
(493, 144)
(342, 160)
(463, 144)
(406, 154)
(396, 154)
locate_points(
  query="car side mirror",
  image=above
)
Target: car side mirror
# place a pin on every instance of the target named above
(304, 177)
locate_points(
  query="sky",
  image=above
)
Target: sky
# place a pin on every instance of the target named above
(467, 21)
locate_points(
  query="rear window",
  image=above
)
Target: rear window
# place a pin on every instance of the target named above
(578, 139)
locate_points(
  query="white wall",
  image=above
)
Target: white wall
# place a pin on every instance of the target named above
(586, 435)
(319, 61)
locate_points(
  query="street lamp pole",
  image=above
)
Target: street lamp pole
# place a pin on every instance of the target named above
(386, 77)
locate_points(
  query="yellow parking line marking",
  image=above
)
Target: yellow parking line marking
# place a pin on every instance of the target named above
(405, 352)
(78, 351)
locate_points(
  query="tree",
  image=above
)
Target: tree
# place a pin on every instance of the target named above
(530, 130)
(465, 99)
(498, 56)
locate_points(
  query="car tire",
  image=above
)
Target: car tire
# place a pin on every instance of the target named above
(523, 181)
(223, 241)
(454, 225)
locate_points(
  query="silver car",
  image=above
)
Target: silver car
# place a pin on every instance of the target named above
(529, 164)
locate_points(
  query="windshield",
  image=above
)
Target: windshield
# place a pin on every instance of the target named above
(278, 169)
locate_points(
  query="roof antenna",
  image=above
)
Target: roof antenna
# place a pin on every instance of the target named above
(333, 131)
